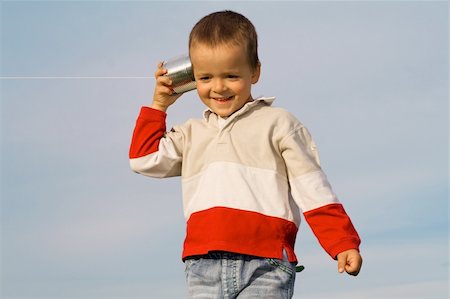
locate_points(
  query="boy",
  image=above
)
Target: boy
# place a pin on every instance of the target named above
(248, 171)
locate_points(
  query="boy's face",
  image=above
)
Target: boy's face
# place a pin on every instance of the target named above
(224, 77)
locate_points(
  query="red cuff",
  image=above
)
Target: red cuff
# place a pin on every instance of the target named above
(152, 114)
(333, 228)
(150, 128)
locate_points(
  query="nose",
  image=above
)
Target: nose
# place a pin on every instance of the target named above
(218, 85)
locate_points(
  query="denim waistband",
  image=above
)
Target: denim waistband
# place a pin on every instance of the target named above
(216, 255)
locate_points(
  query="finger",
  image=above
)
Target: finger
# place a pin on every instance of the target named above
(163, 80)
(352, 271)
(160, 70)
(165, 90)
(353, 267)
(342, 262)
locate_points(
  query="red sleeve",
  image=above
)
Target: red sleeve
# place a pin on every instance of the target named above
(150, 128)
(333, 228)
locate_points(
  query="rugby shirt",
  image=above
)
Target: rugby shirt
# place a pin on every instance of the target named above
(246, 182)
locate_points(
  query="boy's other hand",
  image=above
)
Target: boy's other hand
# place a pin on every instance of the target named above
(164, 95)
(349, 261)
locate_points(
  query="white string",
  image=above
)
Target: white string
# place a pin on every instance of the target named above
(66, 78)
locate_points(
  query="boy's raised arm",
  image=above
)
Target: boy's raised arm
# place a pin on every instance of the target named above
(152, 151)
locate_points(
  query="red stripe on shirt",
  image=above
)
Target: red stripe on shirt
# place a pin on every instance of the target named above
(150, 128)
(239, 231)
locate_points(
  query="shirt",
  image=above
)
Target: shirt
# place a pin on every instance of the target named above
(246, 180)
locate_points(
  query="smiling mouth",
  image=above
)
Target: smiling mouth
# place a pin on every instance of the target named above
(223, 100)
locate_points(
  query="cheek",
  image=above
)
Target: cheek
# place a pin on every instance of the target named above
(242, 88)
(202, 89)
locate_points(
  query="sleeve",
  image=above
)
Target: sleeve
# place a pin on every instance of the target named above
(153, 152)
(313, 194)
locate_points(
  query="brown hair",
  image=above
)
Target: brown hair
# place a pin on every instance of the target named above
(227, 26)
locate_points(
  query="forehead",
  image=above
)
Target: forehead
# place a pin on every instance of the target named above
(224, 55)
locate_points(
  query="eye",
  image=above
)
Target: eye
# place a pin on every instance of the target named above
(232, 76)
(204, 78)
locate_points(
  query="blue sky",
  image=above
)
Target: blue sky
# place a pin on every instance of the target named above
(368, 79)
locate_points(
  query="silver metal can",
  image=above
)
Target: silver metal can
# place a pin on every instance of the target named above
(179, 70)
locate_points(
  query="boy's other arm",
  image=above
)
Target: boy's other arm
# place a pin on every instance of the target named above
(313, 194)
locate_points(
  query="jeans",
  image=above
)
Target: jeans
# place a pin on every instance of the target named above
(228, 275)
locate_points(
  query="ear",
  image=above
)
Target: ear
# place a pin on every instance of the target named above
(256, 73)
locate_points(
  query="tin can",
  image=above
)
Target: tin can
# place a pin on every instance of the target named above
(179, 70)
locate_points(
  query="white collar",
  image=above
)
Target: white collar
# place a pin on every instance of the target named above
(257, 101)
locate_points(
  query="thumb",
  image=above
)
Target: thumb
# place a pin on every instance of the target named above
(342, 262)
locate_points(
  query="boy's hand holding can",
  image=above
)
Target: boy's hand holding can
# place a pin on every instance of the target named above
(164, 95)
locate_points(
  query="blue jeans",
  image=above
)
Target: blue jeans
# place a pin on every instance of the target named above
(228, 275)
